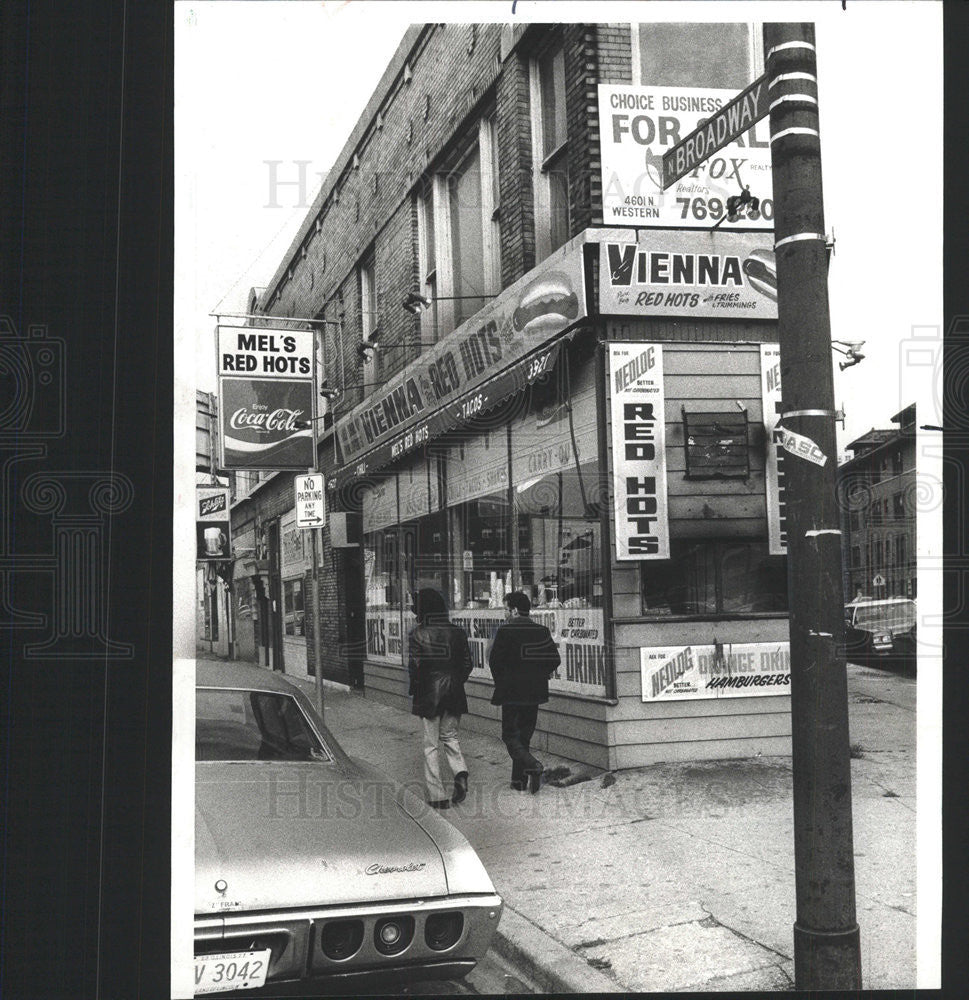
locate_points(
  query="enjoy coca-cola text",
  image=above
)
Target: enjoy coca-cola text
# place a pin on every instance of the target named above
(276, 420)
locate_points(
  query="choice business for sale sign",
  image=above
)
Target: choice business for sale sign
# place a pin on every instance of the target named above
(266, 397)
(660, 272)
(639, 125)
(637, 400)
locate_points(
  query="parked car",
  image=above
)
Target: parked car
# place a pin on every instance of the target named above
(313, 870)
(881, 630)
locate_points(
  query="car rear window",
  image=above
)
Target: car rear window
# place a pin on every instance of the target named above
(896, 616)
(253, 725)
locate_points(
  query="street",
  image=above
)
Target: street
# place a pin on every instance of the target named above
(618, 873)
(492, 977)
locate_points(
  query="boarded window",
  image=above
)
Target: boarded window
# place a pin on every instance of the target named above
(716, 445)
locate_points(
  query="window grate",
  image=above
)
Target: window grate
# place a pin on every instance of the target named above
(717, 445)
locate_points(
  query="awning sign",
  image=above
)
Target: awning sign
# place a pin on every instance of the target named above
(266, 398)
(449, 383)
(639, 450)
(730, 670)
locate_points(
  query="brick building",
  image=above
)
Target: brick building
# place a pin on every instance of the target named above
(879, 492)
(213, 612)
(544, 375)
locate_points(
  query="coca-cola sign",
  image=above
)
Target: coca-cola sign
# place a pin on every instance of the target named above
(267, 423)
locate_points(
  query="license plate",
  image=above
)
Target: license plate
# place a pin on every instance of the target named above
(235, 970)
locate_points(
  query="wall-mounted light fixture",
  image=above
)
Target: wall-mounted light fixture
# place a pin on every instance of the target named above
(367, 348)
(851, 349)
(415, 303)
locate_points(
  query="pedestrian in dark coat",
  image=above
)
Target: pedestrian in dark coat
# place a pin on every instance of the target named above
(439, 662)
(522, 659)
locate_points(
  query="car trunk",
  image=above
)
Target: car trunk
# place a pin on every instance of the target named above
(291, 835)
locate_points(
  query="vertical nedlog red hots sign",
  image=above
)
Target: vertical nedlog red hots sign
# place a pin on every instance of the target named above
(266, 398)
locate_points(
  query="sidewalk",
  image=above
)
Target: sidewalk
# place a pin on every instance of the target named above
(675, 876)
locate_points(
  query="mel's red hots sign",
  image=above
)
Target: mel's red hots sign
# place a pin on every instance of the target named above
(266, 399)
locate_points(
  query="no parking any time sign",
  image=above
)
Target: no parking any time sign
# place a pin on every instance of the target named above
(310, 501)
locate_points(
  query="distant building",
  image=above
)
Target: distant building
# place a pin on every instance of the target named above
(877, 487)
(213, 612)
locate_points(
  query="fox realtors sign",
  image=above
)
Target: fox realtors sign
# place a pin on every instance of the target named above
(640, 125)
(266, 397)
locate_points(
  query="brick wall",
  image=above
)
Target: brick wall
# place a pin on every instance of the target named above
(446, 78)
(614, 52)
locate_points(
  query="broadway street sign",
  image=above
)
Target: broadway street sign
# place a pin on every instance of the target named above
(731, 121)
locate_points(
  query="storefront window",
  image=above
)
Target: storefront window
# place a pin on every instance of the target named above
(715, 578)
(424, 556)
(293, 607)
(381, 569)
(560, 547)
(481, 530)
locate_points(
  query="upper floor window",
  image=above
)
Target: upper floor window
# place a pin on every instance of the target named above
(727, 56)
(366, 271)
(458, 235)
(550, 152)
(427, 262)
(467, 235)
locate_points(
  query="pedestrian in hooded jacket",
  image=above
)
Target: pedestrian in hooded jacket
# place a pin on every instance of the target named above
(439, 662)
(522, 659)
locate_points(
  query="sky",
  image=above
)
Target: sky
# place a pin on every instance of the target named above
(264, 83)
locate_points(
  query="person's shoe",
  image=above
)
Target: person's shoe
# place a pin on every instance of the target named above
(440, 804)
(535, 780)
(519, 786)
(460, 787)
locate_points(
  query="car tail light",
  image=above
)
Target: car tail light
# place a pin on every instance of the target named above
(443, 929)
(392, 935)
(341, 938)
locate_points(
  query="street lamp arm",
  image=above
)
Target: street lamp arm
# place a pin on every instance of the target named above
(270, 316)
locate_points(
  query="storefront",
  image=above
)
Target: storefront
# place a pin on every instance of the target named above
(618, 468)
(295, 559)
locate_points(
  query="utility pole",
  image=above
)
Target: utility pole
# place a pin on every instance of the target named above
(827, 945)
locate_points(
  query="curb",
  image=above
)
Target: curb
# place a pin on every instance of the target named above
(548, 963)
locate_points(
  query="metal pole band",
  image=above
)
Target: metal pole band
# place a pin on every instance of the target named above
(808, 413)
(793, 99)
(792, 76)
(797, 130)
(789, 45)
(801, 236)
